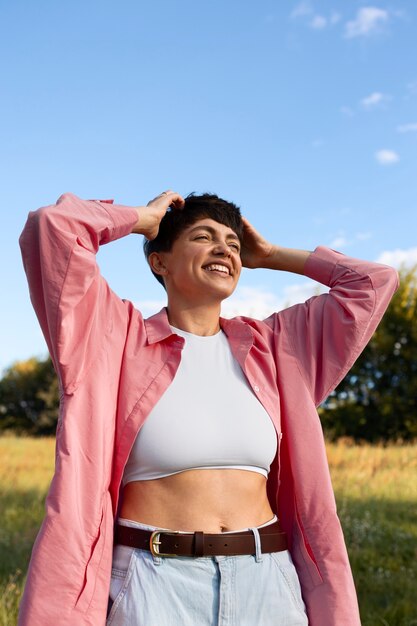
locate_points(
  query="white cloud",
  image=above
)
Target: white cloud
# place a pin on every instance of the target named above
(412, 86)
(341, 241)
(374, 99)
(149, 307)
(318, 22)
(368, 21)
(302, 292)
(386, 157)
(259, 303)
(407, 128)
(338, 242)
(252, 302)
(399, 257)
(400, 13)
(348, 111)
(363, 236)
(368, 103)
(255, 302)
(301, 10)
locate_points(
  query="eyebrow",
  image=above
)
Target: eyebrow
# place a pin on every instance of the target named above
(213, 231)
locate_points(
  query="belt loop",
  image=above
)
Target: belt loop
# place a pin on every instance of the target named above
(258, 555)
(198, 543)
(157, 560)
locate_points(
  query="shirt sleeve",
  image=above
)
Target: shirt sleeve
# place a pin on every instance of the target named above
(75, 306)
(327, 333)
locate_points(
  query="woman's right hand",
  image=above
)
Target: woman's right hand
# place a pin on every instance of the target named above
(150, 216)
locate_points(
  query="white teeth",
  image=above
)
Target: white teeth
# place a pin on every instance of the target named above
(220, 268)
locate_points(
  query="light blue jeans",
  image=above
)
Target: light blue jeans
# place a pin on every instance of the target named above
(258, 590)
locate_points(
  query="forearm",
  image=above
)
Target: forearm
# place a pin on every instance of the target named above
(149, 217)
(58, 245)
(145, 222)
(286, 259)
(73, 221)
(328, 331)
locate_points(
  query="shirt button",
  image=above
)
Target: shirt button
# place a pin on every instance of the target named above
(256, 388)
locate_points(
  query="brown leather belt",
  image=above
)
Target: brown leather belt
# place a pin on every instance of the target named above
(165, 542)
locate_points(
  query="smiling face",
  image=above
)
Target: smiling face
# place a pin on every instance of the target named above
(203, 265)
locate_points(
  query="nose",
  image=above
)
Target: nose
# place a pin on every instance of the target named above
(221, 248)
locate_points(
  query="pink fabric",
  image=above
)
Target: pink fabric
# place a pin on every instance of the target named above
(113, 366)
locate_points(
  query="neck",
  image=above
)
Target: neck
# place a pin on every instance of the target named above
(200, 320)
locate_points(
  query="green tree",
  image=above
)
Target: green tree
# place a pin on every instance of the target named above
(377, 400)
(29, 398)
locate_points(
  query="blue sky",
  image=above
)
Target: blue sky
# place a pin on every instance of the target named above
(303, 113)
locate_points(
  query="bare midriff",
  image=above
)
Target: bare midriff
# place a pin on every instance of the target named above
(209, 500)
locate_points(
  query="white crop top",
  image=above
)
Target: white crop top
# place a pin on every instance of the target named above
(209, 417)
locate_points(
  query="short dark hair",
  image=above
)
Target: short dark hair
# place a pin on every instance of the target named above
(196, 207)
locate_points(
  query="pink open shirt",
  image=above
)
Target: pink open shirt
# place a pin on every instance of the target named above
(113, 366)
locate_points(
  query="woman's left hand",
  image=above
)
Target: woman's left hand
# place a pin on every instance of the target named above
(255, 249)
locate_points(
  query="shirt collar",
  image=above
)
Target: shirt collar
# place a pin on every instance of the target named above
(158, 328)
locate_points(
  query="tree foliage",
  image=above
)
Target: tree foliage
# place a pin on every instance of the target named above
(377, 400)
(29, 398)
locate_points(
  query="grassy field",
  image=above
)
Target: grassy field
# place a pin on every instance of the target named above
(376, 492)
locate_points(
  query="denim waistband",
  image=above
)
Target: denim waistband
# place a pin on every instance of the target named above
(133, 524)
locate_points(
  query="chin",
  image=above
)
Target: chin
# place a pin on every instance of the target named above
(226, 293)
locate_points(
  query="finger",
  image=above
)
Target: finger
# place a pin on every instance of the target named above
(169, 193)
(175, 200)
(246, 222)
(162, 196)
(178, 202)
(248, 228)
(167, 198)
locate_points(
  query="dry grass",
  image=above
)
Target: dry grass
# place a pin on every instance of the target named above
(376, 492)
(374, 471)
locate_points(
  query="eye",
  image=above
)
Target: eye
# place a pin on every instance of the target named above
(235, 246)
(201, 237)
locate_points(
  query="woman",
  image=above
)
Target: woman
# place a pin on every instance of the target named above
(188, 422)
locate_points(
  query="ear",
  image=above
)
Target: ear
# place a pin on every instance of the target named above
(157, 263)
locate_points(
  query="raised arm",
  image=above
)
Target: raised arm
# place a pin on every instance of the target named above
(326, 334)
(257, 252)
(76, 308)
(150, 216)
